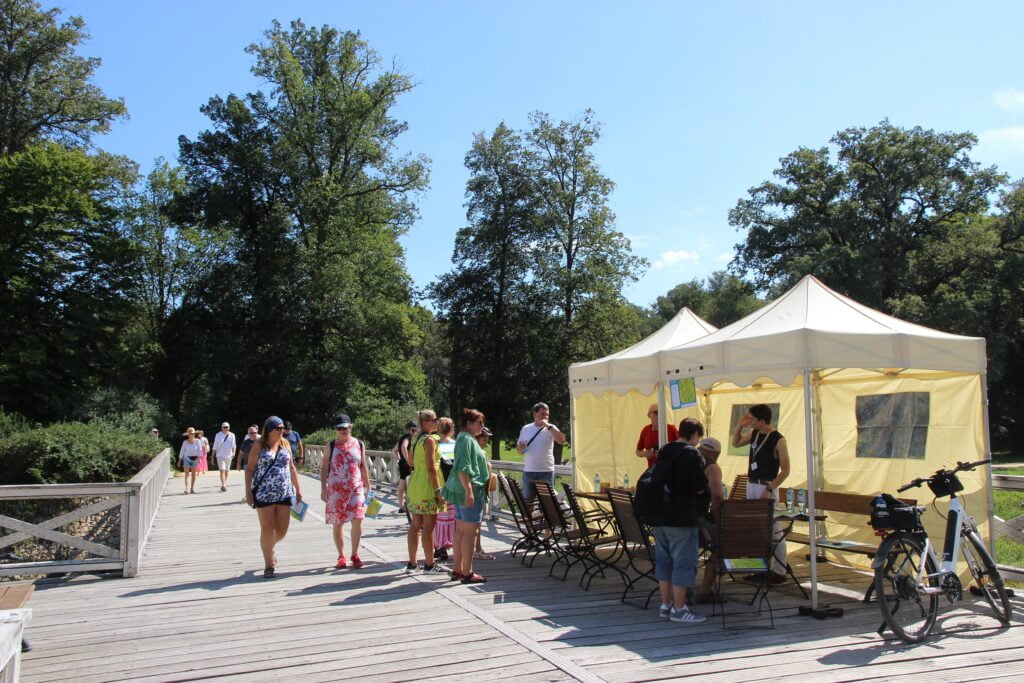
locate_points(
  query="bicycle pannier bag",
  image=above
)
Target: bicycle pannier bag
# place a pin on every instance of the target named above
(890, 513)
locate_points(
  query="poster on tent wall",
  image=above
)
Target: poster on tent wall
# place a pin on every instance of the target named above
(683, 392)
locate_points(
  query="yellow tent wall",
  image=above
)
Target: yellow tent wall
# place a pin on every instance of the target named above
(606, 429)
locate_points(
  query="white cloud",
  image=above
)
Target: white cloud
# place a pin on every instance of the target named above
(1001, 145)
(724, 257)
(1011, 99)
(670, 258)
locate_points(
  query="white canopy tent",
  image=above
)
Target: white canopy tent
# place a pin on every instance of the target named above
(616, 391)
(820, 358)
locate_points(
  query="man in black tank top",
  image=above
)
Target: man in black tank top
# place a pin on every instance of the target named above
(768, 467)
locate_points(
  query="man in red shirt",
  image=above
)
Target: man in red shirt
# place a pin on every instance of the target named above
(647, 444)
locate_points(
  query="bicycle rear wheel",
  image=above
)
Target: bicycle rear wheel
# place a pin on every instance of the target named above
(908, 611)
(987, 576)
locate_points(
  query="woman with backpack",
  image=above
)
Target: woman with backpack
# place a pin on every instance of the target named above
(344, 481)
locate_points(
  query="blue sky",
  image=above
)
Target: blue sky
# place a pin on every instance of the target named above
(698, 100)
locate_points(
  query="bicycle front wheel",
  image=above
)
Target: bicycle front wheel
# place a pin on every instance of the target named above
(987, 576)
(899, 584)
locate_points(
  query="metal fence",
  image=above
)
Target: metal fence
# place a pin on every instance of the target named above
(109, 523)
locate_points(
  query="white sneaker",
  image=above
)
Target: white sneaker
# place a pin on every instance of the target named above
(665, 611)
(685, 616)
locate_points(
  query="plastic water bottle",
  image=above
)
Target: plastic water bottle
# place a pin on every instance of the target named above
(597, 481)
(625, 481)
(801, 501)
(790, 494)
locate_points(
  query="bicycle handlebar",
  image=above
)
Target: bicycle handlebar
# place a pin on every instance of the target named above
(960, 467)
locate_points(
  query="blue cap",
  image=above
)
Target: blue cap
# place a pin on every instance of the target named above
(273, 422)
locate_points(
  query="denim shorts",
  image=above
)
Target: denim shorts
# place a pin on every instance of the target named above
(675, 554)
(471, 514)
(529, 492)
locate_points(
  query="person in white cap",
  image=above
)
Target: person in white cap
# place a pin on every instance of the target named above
(708, 503)
(224, 450)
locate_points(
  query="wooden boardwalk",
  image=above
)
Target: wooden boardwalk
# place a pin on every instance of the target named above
(199, 609)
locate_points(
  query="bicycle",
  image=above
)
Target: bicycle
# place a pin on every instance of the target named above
(909, 578)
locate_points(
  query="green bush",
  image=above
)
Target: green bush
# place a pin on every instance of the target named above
(12, 423)
(73, 452)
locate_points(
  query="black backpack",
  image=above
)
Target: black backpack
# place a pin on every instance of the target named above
(654, 500)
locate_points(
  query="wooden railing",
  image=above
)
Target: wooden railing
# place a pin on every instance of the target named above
(118, 517)
(384, 471)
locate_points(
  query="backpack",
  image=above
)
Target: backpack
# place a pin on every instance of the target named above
(654, 500)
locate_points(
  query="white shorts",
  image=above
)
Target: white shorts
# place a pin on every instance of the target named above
(224, 463)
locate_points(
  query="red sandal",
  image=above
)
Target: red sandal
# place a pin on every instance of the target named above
(473, 578)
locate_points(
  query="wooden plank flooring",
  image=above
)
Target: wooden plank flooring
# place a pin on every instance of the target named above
(199, 609)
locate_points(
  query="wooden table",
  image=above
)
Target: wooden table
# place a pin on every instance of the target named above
(600, 497)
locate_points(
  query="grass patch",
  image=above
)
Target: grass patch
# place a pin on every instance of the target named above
(1009, 552)
(1008, 504)
(1010, 470)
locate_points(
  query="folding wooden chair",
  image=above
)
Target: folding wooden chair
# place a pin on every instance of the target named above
(602, 536)
(524, 521)
(745, 532)
(636, 541)
(739, 488)
(536, 538)
(564, 541)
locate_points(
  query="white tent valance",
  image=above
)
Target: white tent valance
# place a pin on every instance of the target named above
(637, 366)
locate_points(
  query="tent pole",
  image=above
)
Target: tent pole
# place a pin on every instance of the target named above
(988, 468)
(662, 416)
(572, 439)
(811, 526)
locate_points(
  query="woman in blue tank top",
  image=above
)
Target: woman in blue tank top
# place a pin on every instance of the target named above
(271, 481)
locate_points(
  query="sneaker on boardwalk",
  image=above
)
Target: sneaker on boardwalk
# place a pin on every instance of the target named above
(685, 616)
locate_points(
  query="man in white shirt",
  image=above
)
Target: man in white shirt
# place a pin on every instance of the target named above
(536, 443)
(224, 449)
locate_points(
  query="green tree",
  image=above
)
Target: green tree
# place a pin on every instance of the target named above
(858, 220)
(312, 294)
(538, 271)
(68, 276)
(486, 302)
(721, 299)
(45, 88)
(900, 221)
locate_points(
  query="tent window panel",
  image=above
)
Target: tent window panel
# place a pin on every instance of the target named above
(893, 425)
(738, 411)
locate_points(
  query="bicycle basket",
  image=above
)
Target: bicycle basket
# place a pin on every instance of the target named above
(945, 484)
(890, 513)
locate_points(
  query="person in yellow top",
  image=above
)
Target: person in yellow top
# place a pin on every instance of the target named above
(423, 498)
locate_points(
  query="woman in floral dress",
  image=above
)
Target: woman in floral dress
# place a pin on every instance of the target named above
(344, 481)
(203, 465)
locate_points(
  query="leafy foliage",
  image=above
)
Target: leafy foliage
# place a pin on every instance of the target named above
(721, 299)
(45, 93)
(311, 294)
(70, 452)
(538, 271)
(899, 220)
(68, 276)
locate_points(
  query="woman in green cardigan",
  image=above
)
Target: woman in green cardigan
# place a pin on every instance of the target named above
(466, 489)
